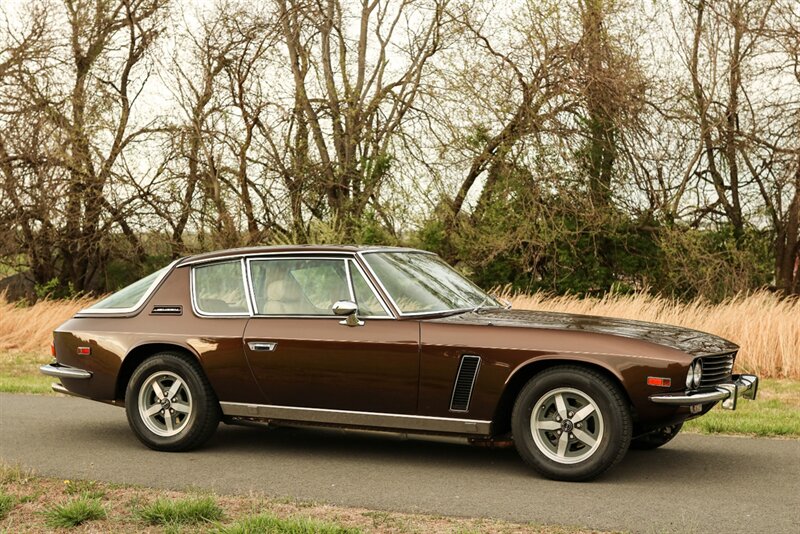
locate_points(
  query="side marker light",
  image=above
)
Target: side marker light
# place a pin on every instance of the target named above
(659, 381)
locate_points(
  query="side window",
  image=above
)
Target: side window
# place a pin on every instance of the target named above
(368, 303)
(219, 288)
(298, 286)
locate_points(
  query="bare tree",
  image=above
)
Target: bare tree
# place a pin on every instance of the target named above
(357, 72)
(80, 99)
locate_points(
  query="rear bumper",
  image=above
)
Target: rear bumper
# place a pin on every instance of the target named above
(745, 386)
(64, 371)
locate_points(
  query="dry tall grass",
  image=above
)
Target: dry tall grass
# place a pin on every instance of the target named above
(767, 328)
(30, 328)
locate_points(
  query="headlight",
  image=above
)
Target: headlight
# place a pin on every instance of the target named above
(698, 373)
(694, 375)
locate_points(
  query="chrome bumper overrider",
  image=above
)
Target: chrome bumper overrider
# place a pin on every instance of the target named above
(745, 386)
(64, 371)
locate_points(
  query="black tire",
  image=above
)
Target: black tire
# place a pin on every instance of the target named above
(610, 423)
(187, 430)
(655, 439)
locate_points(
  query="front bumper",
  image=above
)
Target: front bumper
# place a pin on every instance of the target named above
(745, 386)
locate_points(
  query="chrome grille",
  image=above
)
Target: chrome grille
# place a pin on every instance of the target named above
(716, 369)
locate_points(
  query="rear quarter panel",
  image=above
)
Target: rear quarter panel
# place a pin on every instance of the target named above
(215, 342)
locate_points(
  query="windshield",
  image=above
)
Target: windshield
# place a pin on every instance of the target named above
(422, 283)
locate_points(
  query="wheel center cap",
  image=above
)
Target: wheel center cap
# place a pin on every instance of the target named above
(165, 403)
(567, 425)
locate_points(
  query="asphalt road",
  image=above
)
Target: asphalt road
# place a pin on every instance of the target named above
(694, 484)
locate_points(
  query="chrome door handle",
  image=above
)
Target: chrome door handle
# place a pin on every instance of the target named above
(262, 346)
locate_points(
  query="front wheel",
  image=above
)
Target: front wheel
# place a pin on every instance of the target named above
(169, 403)
(571, 423)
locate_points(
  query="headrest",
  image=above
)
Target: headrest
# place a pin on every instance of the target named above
(284, 291)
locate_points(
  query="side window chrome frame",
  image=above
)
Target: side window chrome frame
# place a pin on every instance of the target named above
(371, 286)
(233, 315)
(347, 259)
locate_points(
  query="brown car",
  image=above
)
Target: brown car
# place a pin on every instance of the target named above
(389, 339)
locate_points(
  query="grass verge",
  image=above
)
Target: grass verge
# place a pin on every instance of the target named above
(19, 373)
(776, 413)
(117, 508)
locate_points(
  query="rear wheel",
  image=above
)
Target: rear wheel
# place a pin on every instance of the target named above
(571, 423)
(654, 440)
(169, 403)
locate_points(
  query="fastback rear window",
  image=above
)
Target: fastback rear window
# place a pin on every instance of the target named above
(130, 296)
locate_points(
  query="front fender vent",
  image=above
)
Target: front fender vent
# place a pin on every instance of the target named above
(465, 382)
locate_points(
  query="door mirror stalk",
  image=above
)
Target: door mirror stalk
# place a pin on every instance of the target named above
(349, 310)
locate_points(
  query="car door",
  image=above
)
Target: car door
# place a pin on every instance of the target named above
(302, 355)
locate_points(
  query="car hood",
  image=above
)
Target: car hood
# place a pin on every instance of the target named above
(690, 341)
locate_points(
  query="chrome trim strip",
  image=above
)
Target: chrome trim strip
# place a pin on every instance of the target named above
(277, 254)
(745, 386)
(395, 249)
(375, 292)
(385, 291)
(136, 307)
(196, 309)
(471, 386)
(251, 304)
(349, 278)
(248, 280)
(64, 371)
(355, 418)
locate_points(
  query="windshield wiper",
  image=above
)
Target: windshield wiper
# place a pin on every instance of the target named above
(481, 305)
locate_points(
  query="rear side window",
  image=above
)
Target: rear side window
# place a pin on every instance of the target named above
(219, 289)
(131, 296)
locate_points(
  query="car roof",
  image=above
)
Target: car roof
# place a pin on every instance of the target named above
(255, 251)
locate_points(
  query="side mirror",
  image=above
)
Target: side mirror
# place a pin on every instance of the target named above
(348, 309)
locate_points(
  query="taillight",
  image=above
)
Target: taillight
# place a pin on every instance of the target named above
(53, 349)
